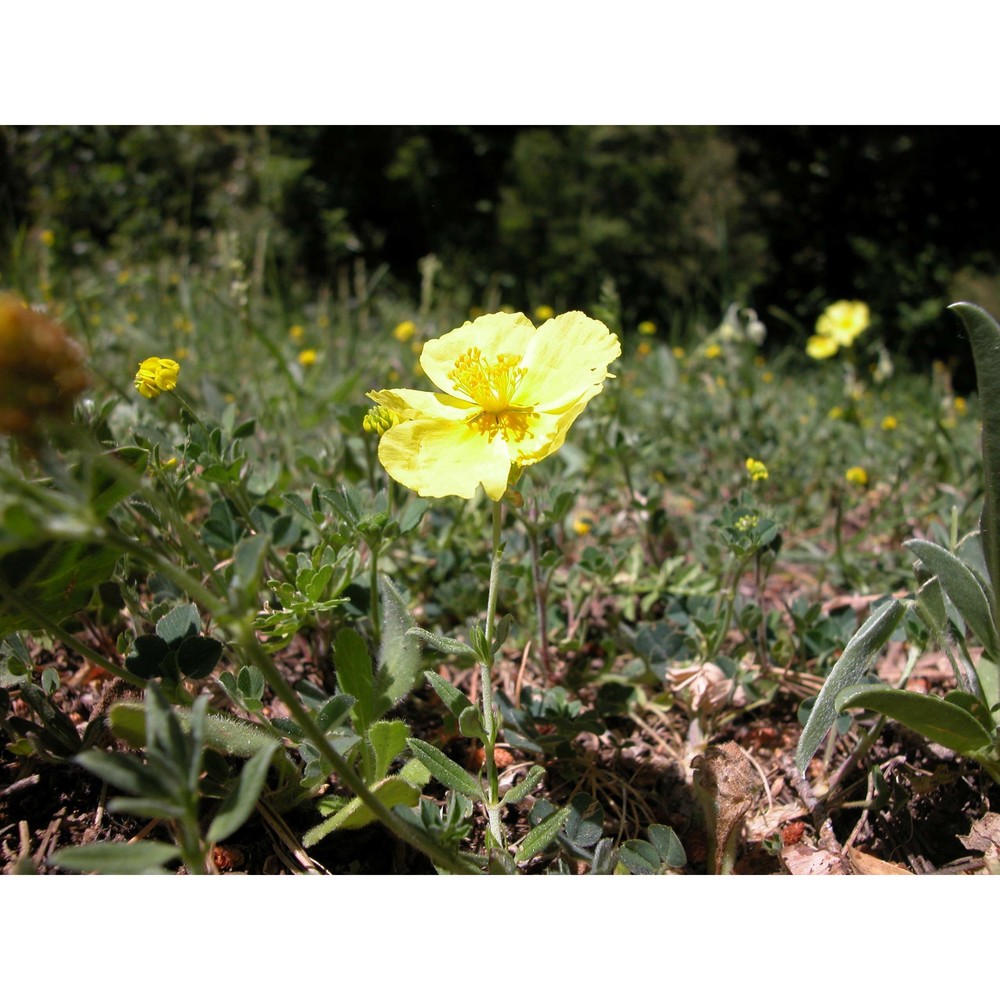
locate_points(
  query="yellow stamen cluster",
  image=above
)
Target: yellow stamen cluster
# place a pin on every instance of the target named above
(491, 386)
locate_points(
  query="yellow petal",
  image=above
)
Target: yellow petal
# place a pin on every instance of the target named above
(546, 432)
(442, 458)
(568, 357)
(497, 333)
(821, 347)
(413, 404)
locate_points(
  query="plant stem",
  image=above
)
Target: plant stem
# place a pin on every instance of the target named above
(486, 679)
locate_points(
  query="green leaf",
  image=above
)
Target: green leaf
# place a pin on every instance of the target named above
(197, 656)
(146, 857)
(988, 673)
(470, 726)
(224, 733)
(542, 835)
(390, 792)
(668, 845)
(451, 647)
(239, 803)
(854, 662)
(117, 769)
(450, 774)
(399, 655)
(961, 585)
(984, 334)
(454, 700)
(354, 675)
(248, 565)
(520, 791)
(386, 740)
(639, 857)
(933, 718)
(177, 625)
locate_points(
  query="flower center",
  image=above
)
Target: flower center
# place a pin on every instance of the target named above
(490, 385)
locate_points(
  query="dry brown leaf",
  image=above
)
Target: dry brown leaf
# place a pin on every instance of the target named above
(802, 859)
(866, 864)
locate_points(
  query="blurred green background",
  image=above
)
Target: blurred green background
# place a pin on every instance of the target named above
(682, 220)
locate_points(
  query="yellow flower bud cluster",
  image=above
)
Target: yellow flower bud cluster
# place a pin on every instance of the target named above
(379, 419)
(756, 469)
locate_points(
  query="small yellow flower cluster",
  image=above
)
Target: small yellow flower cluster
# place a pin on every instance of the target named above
(756, 469)
(156, 375)
(542, 313)
(839, 326)
(296, 332)
(647, 328)
(747, 522)
(889, 423)
(307, 357)
(856, 476)
(713, 351)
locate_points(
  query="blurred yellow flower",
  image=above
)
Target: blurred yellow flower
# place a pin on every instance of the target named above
(543, 313)
(678, 352)
(41, 369)
(296, 332)
(508, 394)
(836, 413)
(156, 375)
(713, 351)
(756, 468)
(856, 475)
(839, 326)
(404, 331)
(889, 423)
(307, 357)
(767, 377)
(47, 237)
(644, 349)
(182, 353)
(647, 328)
(960, 406)
(583, 524)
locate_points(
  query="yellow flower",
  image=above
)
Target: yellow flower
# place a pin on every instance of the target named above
(404, 331)
(960, 406)
(48, 237)
(508, 395)
(889, 423)
(644, 349)
(296, 332)
(647, 328)
(713, 351)
(307, 357)
(856, 475)
(543, 313)
(678, 352)
(836, 413)
(839, 326)
(156, 375)
(756, 468)
(582, 524)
